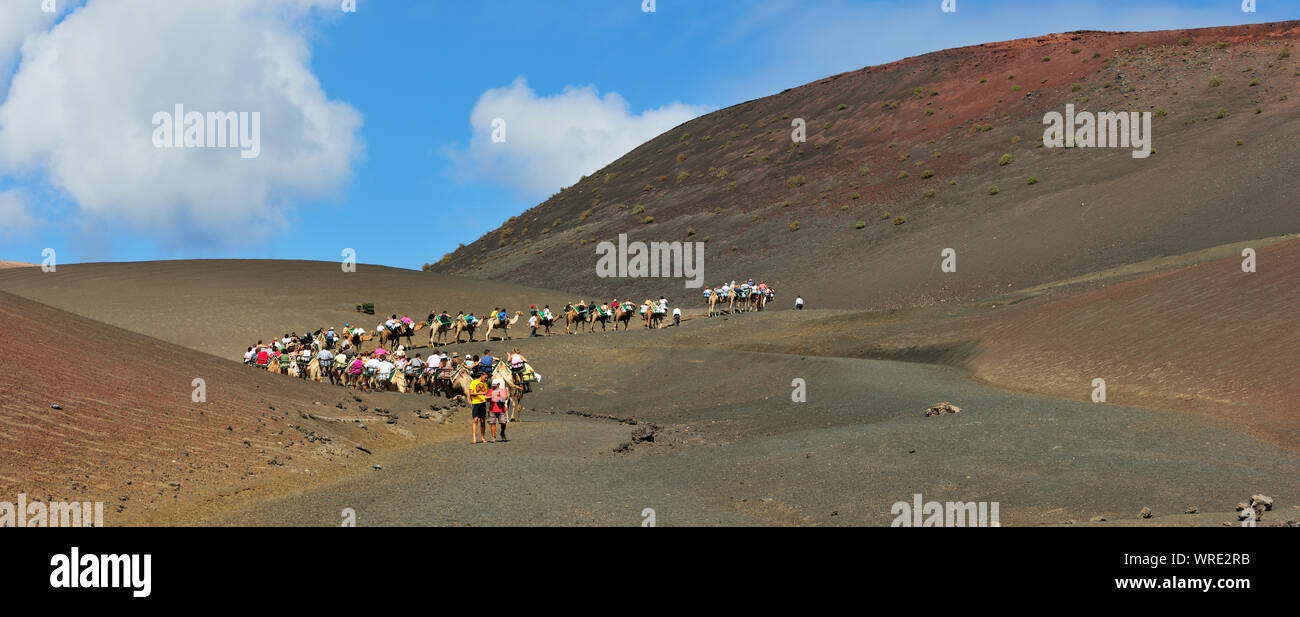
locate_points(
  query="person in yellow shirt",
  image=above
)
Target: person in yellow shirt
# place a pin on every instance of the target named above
(478, 390)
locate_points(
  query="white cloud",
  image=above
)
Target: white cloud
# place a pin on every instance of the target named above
(15, 215)
(20, 20)
(553, 141)
(80, 112)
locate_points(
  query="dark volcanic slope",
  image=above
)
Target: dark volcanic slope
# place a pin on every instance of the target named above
(880, 138)
(218, 306)
(128, 431)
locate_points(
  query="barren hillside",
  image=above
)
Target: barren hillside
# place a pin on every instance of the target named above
(901, 161)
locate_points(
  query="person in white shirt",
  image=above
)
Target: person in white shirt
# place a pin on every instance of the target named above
(798, 303)
(677, 316)
(532, 323)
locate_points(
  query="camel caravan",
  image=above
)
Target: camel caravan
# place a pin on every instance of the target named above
(741, 298)
(326, 357)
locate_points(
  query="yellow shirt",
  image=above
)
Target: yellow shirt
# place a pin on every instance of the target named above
(478, 392)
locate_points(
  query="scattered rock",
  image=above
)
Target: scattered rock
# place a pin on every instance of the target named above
(1242, 511)
(1145, 513)
(1191, 510)
(1097, 519)
(377, 467)
(55, 406)
(939, 409)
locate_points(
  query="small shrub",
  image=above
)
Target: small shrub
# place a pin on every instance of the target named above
(1221, 45)
(860, 224)
(1254, 82)
(585, 213)
(900, 220)
(1284, 54)
(1075, 87)
(1006, 159)
(1032, 180)
(844, 208)
(1184, 41)
(796, 181)
(927, 194)
(1161, 112)
(1214, 82)
(929, 173)
(843, 107)
(864, 171)
(647, 220)
(929, 112)
(690, 232)
(1047, 58)
(993, 190)
(794, 226)
(682, 175)
(1223, 113)
(638, 209)
(731, 186)
(902, 174)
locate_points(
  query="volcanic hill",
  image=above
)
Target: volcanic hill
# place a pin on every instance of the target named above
(943, 151)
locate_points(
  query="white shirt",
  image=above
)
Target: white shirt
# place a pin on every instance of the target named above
(532, 321)
(798, 300)
(384, 368)
(677, 312)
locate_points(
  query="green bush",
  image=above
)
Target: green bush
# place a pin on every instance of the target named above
(929, 173)
(1214, 82)
(1032, 180)
(794, 226)
(1184, 41)
(860, 224)
(993, 190)
(927, 194)
(638, 209)
(1006, 159)
(796, 181)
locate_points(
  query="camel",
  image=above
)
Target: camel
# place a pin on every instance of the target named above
(463, 325)
(712, 300)
(440, 330)
(544, 322)
(504, 326)
(623, 316)
(596, 316)
(574, 316)
(393, 338)
(656, 317)
(460, 381)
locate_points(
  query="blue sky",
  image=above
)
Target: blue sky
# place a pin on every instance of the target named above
(391, 162)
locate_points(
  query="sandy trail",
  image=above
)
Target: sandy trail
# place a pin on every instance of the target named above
(844, 457)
